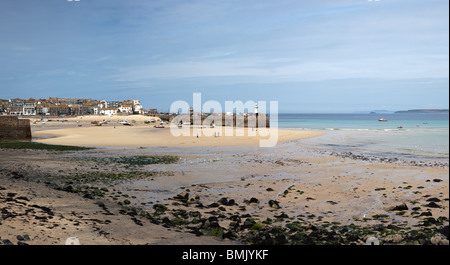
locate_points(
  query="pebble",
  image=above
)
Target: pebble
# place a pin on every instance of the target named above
(394, 238)
(7, 242)
(439, 240)
(372, 241)
(428, 213)
(433, 205)
(253, 200)
(274, 204)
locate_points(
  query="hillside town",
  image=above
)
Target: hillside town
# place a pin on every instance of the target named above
(71, 107)
(67, 107)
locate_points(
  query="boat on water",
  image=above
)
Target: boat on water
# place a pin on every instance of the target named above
(382, 119)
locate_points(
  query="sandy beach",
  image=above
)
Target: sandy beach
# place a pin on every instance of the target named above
(141, 134)
(219, 191)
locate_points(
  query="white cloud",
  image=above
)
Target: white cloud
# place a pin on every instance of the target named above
(187, 69)
(274, 70)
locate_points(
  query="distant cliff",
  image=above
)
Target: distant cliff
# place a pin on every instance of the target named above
(424, 111)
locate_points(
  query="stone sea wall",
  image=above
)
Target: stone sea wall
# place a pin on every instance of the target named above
(225, 120)
(13, 128)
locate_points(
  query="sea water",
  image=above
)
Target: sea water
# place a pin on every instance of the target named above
(408, 135)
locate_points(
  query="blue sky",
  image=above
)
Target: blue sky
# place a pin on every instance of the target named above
(310, 56)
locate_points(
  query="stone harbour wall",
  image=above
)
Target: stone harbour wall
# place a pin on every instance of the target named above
(234, 121)
(13, 128)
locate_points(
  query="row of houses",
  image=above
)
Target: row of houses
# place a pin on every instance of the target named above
(70, 107)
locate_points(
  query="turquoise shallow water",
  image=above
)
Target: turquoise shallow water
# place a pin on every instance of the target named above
(405, 135)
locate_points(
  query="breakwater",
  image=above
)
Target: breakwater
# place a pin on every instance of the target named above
(250, 121)
(13, 128)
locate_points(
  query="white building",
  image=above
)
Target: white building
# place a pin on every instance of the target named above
(29, 109)
(108, 111)
(46, 111)
(126, 109)
(137, 107)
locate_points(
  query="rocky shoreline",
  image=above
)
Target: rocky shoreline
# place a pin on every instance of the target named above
(283, 229)
(385, 159)
(36, 211)
(255, 209)
(228, 218)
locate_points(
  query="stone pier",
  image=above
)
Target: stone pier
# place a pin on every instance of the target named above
(13, 128)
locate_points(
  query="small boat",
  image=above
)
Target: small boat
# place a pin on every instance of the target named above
(400, 127)
(382, 119)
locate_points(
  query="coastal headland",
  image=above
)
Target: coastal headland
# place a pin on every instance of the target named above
(141, 185)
